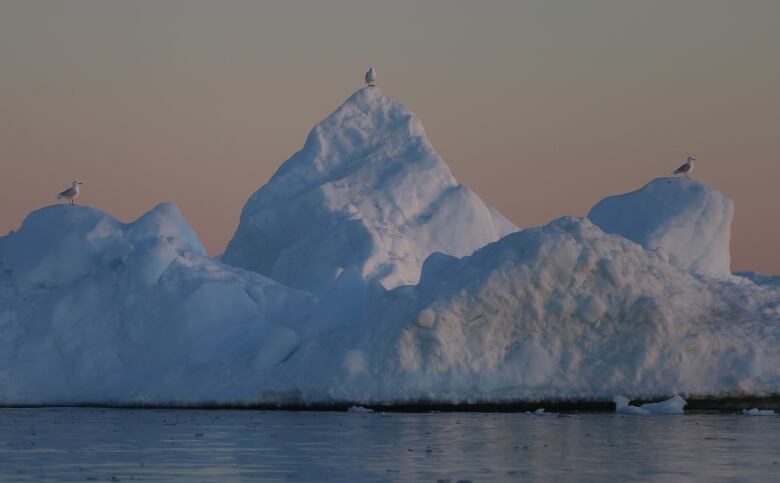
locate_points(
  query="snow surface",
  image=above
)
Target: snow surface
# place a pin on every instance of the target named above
(682, 218)
(674, 405)
(97, 311)
(368, 192)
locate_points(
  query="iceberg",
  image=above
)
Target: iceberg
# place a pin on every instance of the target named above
(363, 274)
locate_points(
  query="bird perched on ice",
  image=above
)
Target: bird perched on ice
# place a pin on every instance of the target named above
(71, 193)
(686, 168)
(371, 77)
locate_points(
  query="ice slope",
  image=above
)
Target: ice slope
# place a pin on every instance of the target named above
(564, 311)
(93, 310)
(367, 191)
(682, 218)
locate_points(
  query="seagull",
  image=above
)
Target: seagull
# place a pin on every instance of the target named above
(71, 193)
(371, 77)
(685, 168)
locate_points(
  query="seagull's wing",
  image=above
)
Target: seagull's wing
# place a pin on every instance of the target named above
(67, 193)
(682, 169)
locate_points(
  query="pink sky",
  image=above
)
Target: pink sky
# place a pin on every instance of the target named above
(541, 107)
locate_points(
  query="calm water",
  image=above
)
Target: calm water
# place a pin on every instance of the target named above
(186, 445)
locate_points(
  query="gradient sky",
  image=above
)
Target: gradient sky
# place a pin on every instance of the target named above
(542, 107)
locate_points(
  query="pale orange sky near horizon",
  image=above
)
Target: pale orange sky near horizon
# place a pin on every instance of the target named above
(542, 107)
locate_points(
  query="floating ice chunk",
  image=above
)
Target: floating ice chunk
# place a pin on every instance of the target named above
(673, 405)
(758, 412)
(622, 406)
(359, 409)
(542, 412)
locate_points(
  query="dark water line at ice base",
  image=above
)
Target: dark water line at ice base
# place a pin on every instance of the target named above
(723, 404)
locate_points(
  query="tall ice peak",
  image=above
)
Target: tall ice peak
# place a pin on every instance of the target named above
(368, 191)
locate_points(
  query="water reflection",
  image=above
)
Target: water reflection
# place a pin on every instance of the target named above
(189, 445)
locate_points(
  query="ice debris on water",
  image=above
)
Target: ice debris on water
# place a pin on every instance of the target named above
(758, 412)
(673, 405)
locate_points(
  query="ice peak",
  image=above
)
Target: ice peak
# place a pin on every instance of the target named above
(682, 218)
(366, 190)
(59, 244)
(165, 220)
(368, 128)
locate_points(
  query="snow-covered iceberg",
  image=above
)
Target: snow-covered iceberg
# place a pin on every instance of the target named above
(684, 219)
(381, 280)
(368, 192)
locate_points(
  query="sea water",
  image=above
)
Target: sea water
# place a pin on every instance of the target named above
(93, 444)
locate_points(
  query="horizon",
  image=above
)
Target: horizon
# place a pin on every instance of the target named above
(199, 106)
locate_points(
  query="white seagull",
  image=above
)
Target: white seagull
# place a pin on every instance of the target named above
(71, 193)
(371, 77)
(686, 168)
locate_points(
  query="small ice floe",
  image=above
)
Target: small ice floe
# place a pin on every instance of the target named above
(674, 405)
(758, 412)
(359, 409)
(541, 412)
